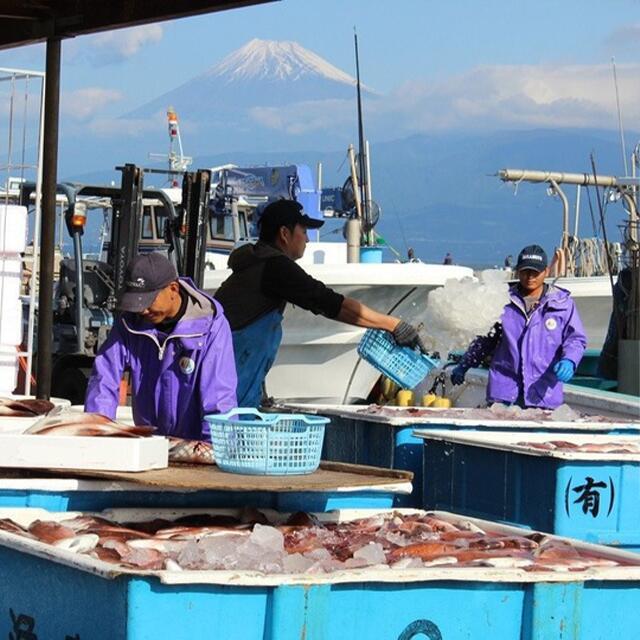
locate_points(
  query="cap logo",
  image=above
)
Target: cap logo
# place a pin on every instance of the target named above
(138, 283)
(531, 256)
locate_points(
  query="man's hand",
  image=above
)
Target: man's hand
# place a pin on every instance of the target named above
(564, 370)
(406, 335)
(458, 374)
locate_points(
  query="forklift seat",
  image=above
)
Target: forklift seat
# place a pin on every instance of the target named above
(96, 290)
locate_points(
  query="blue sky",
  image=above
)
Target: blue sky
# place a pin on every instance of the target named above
(453, 67)
(401, 42)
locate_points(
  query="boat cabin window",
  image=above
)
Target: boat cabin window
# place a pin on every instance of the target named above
(146, 233)
(221, 226)
(161, 218)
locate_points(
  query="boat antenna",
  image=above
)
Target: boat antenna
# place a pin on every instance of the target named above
(618, 320)
(361, 150)
(620, 127)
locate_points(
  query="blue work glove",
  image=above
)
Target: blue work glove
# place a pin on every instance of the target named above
(458, 374)
(564, 370)
(407, 335)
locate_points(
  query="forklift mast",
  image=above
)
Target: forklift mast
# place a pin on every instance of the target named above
(125, 229)
(195, 210)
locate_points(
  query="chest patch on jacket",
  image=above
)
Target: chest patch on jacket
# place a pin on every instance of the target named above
(187, 365)
(551, 323)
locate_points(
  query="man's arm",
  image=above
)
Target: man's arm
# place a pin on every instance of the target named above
(104, 385)
(286, 279)
(218, 378)
(574, 338)
(358, 314)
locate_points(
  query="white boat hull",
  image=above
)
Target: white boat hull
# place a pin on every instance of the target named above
(594, 302)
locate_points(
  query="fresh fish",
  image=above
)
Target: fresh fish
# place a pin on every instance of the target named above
(50, 532)
(86, 424)
(304, 545)
(190, 451)
(25, 408)
(79, 544)
(423, 550)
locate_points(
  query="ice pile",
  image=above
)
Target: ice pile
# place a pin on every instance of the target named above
(463, 309)
(564, 413)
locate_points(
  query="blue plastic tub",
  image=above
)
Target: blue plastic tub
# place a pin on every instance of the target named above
(57, 598)
(381, 441)
(377, 444)
(593, 500)
(371, 255)
(405, 366)
(250, 442)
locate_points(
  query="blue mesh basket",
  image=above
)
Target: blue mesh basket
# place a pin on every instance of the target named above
(272, 444)
(407, 367)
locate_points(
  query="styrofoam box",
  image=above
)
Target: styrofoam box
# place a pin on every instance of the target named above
(13, 228)
(10, 325)
(8, 369)
(10, 277)
(79, 452)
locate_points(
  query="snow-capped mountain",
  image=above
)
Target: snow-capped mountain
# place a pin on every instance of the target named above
(272, 60)
(262, 73)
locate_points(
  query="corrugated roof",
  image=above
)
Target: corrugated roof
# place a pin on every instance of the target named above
(29, 21)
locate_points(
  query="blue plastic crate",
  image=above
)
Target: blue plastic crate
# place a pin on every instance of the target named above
(405, 366)
(250, 442)
(35, 602)
(592, 500)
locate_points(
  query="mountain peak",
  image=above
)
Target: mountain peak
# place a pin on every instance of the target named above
(275, 60)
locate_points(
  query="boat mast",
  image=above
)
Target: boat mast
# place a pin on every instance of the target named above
(362, 160)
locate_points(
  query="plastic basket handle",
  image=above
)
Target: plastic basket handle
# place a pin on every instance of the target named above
(244, 411)
(305, 418)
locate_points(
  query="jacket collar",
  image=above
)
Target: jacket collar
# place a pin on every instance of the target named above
(554, 298)
(196, 321)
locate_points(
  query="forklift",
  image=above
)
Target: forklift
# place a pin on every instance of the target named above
(82, 322)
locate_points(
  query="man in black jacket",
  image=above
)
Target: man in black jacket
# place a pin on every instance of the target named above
(265, 277)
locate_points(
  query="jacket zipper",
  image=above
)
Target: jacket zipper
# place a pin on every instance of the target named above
(163, 346)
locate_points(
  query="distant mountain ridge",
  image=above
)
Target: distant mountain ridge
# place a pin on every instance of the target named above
(440, 193)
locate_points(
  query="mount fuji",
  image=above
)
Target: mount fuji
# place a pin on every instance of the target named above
(266, 91)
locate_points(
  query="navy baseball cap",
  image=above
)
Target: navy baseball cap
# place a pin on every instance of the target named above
(147, 274)
(532, 257)
(285, 213)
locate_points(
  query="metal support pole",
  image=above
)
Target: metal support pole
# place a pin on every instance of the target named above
(48, 229)
(79, 297)
(565, 215)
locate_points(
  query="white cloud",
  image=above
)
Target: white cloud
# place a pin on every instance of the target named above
(496, 97)
(626, 36)
(300, 118)
(111, 47)
(515, 96)
(83, 104)
(132, 127)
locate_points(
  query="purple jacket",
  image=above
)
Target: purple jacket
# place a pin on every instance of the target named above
(175, 380)
(526, 350)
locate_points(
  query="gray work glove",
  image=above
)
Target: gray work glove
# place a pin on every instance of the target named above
(406, 335)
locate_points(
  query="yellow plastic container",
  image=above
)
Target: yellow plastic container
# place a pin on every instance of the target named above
(442, 403)
(404, 398)
(428, 399)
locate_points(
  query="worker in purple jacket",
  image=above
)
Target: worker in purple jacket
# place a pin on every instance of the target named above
(176, 342)
(537, 344)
